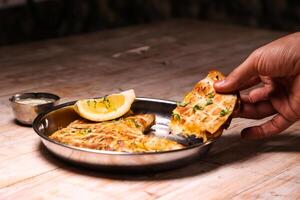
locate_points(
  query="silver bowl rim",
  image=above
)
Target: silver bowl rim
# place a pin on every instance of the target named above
(37, 120)
(55, 97)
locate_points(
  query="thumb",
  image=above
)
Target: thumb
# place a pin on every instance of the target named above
(242, 77)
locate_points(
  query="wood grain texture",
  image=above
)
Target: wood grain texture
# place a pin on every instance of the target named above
(177, 55)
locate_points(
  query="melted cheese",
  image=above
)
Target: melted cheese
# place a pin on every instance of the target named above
(203, 111)
(125, 134)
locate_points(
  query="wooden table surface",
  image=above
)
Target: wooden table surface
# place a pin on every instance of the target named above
(161, 60)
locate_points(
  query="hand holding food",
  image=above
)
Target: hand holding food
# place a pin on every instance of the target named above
(277, 67)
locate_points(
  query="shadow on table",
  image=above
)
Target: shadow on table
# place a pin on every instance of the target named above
(16, 122)
(229, 149)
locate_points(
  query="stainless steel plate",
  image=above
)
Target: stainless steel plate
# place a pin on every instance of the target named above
(60, 116)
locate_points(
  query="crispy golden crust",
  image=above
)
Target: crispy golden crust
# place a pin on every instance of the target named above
(203, 112)
(125, 135)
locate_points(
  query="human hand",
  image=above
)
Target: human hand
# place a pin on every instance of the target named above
(277, 66)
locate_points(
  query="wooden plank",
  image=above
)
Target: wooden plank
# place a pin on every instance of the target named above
(179, 54)
(285, 185)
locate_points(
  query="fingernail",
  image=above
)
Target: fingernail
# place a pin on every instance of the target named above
(245, 134)
(220, 83)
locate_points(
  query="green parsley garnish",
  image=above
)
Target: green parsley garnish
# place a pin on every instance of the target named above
(209, 101)
(211, 95)
(84, 131)
(176, 116)
(204, 119)
(135, 123)
(106, 102)
(224, 112)
(182, 104)
(197, 107)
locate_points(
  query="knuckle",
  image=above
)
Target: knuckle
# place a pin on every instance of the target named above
(290, 115)
(276, 127)
(251, 99)
(295, 106)
(257, 54)
(260, 132)
(257, 58)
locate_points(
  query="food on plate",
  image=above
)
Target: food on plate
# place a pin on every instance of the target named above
(124, 135)
(110, 125)
(203, 113)
(106, 108)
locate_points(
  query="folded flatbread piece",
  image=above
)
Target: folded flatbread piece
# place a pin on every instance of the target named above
(203, 112)
(124, 135)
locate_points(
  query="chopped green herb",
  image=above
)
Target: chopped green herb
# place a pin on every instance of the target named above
(197, 107)
(224, 112)
(84, 131)
(106, 102)
(209, 101)
(95, 104)
(135, 123)
(176, 116)
(211, 95)
(204, 119)
(88, 103)
(182, 104)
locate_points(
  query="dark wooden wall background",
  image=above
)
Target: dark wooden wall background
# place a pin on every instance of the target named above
(55, 18)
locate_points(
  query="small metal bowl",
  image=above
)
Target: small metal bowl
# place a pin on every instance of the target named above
(25, 113)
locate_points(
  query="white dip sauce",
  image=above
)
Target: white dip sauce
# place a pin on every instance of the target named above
(34, 102)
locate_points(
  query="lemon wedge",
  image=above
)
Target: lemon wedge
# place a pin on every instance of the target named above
(106, 108)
